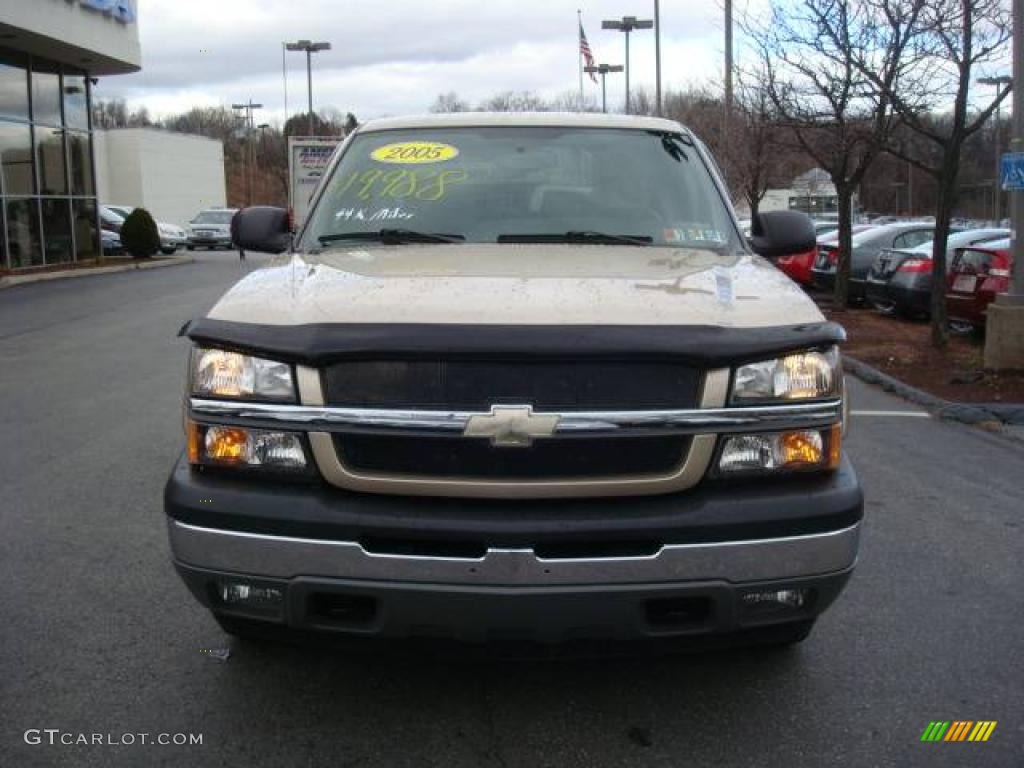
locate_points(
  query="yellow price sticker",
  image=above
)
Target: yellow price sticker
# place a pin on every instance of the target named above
(414, 152)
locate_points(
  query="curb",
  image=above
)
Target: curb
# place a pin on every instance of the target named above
(966, 413)
(38, 277)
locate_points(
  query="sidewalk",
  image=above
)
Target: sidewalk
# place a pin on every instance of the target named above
(9, 281)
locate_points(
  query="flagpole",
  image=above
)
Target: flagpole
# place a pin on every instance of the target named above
(579, 54)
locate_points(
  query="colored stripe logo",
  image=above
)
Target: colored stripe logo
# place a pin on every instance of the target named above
(958, 730)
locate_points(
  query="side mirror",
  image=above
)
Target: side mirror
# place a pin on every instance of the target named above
(781, 233)
(261, 228)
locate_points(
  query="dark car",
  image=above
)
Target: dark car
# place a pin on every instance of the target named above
(900, 281)
(975, 277)
(866, 247)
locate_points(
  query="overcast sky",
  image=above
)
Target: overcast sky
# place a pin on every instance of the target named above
(395, 56)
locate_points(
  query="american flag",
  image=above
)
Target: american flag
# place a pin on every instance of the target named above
(586, 53)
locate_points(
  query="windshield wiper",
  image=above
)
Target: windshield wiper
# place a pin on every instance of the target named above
(584, 236)
(393, 237)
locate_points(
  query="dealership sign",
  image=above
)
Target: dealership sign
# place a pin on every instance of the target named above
(307, 161)
(122, 10)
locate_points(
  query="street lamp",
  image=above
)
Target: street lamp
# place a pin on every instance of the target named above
(657, 57)
(626, 25)
(602, 70)
(997, 189)
(310, 48)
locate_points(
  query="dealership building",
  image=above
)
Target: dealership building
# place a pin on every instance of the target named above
(54, 168)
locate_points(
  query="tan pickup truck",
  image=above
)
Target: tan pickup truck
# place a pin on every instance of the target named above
(517, 377)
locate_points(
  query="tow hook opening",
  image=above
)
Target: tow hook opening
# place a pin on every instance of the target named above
(679, 612)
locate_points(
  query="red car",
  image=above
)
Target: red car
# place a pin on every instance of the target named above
(799, 265)
(975, 277)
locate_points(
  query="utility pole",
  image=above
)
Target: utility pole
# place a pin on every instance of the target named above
(249, 126)
(310, 48)
(727, 117)
(626, 25)
(602, 70)
(997, 185)
(657, 57)
(1004, 323)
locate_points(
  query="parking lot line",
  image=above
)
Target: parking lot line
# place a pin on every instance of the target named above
(908, 414)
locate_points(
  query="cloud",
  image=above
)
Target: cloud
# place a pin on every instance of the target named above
(395, 56)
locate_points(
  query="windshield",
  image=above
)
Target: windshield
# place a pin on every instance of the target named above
(213, 217)
(524, 184)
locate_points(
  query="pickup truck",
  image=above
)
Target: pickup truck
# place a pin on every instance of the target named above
(518, 377)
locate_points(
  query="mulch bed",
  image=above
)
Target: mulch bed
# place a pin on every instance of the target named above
(902, 348)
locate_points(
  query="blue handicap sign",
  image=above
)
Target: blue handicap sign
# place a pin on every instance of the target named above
(1011, 174)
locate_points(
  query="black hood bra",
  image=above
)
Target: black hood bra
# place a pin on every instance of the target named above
(319, 344)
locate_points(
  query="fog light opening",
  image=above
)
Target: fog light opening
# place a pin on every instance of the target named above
(768, 603)
(244, 594)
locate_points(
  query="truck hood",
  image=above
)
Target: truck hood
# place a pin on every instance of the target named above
(513, 284)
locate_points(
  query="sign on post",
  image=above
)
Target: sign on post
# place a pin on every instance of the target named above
(307, 161)
(1011, 173)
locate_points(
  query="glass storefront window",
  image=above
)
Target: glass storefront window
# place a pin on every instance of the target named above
(13, 89)
(47, 177)
(81, 164)
(50, 156)
(86, 245)
(57, 231)
(23, 233)
(45, 97)
(76, 102)
(16, 158)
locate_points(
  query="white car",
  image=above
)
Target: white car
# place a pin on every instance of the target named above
(172, 237)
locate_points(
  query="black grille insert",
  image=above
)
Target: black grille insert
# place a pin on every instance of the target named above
(478, 384)
(555, 458)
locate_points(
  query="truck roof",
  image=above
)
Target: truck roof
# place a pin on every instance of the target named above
(551, 119)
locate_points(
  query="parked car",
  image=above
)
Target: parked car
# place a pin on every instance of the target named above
(976, 275)
(900, 280)
(866, 246)
(799, 265)
(110, 219)
(110, 243)
(517, 402)
(172, 237)
(211, 229)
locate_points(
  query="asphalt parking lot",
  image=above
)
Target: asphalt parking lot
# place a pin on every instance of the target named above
(99, 636)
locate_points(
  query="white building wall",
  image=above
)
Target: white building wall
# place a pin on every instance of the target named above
(172, 175)
(75, 32)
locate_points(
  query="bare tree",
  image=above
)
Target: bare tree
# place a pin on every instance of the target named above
(515, 101)
(951, 39)
(810, 56)
(449, 102)
(761, 153)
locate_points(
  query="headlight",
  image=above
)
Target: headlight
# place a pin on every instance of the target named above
(219, 373)
(797, 450)
(802, 376)
(229, 446)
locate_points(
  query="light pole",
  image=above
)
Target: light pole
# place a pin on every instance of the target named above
(1004, 321)
(997, 187)
(602, 70)
(626, 25)
(310, 48)
(657, 56)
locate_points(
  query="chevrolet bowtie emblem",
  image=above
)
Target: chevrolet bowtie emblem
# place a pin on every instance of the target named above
(511, 426)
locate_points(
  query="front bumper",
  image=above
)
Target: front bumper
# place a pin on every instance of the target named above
(210, 240)
(625, 568)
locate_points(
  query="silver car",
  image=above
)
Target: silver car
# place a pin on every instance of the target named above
(211, 229)
(172, 237)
